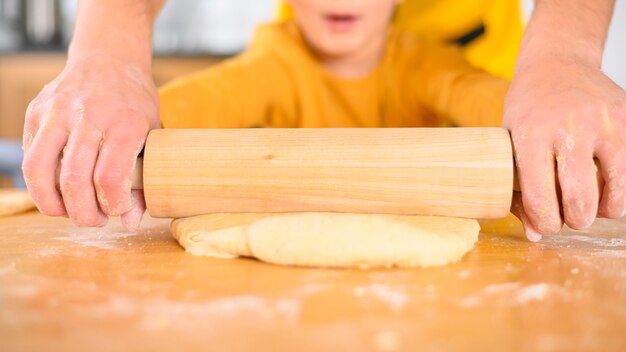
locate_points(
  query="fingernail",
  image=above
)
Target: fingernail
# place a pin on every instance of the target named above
(130, 225)
(103, 221)
(131, 220)
(533, 236)
(529, 230)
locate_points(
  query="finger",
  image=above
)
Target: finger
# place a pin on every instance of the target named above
(579, 184)
(613, 169)
(114, 168)
(31, 125)
(76, 177)
(517, 208)
(39, 169)
(535, 165)
(132, 219)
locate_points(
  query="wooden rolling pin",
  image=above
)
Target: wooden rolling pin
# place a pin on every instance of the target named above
(461, 172)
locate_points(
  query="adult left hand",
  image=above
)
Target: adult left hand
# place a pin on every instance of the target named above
(563, 113)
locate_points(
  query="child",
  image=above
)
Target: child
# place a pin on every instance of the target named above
(339, 65)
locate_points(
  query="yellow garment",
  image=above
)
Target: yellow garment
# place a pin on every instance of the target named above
(446, 20)
(278, 82)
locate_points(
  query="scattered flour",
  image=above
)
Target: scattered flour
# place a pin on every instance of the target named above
(512, 293)
(23, 290)
(160, 314)
(393, 298)
(501, 288)
(464, 274)
(7, 269)
(612, 253)
(469, 302)
(386, 341)
(596, 241)
(96, 238)
(48, 252)
(612, 247)
(530, 293)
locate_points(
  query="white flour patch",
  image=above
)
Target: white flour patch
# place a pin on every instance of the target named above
(512, 294)
(612, 253)
(464, 274)
(386, 341)
(501, 288)
(160, 314)
(163, 314)
(309, 289)
(470, 302)
(613, 247)
(530, 293)
(48, 252)
(596, 241)
(23, 290)
(393, 298)
(7, 269)
(97, 238)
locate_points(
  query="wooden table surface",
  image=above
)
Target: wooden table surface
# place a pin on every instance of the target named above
(69, 289)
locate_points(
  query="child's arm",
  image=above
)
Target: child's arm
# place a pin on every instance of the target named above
(455, 90)
(237, 93)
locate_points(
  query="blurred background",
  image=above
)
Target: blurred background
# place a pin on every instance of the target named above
(189, 35)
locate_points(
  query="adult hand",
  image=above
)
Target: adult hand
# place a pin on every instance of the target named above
(92, 120)
(95, 115)
(562, 113)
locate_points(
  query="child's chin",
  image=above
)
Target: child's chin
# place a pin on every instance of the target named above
(339, 49)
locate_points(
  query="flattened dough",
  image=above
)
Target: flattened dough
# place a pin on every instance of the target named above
(329, 239)
(15, 201)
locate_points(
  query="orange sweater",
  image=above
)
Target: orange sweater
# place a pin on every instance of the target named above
(277, 82)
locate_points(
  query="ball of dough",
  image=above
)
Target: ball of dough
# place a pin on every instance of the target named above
(329, 239)
(15, 201)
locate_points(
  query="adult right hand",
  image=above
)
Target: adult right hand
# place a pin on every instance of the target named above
(91, 121)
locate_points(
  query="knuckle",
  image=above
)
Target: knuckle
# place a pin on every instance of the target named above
(612, 212)
(550, 227)
(577, 222)
(51, 210)
(71, 182)
(579, 212)
(30, 167)
(55, 105)
(137, 122)
(33, 107)
(537, 199)
(109, 185)
(542, 210)
(614, 206)
(89, 220)
(107, 179)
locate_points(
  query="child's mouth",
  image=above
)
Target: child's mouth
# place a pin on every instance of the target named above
(340, 22)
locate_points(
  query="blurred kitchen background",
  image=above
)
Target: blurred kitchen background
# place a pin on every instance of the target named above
(189, 35)
(184, 27)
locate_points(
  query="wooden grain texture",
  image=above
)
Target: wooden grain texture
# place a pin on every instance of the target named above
(68, 289)
(462, 172)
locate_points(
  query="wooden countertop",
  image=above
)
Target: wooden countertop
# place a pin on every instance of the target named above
(69, 289)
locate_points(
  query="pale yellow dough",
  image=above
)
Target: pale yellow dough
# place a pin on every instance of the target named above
(329, 239)
(15, 201)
